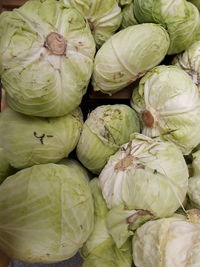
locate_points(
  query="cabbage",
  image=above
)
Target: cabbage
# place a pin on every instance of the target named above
(103, 16)
(194, 182)
(5, 168)
(167, 242)
(107, 127)
(145, 174)
(169, 106)
(189, 61)
(46, 212)
(46, 58)
(128, 18)
(180, 18)
(30, 140)
(127, 55)
(100, 249)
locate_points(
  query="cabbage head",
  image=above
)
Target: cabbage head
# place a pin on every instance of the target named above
(5, 168)
(104, 16)
(46, 58)
(194, 182)
(28, 140)
(128, 18)
(146, 174)
(180, 18)
(105, 130)
(100, 249)
(167, 242)
(46, 212)
(128, 55)
(169, 106)
(189, 61)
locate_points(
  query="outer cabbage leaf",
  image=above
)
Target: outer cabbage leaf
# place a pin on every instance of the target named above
(167, 242)
(128, 18)
(48, 214)
(146, 174)
(5, 168)
(180, 18)
(189, 61)
(116, 67)
(194, 182)
(100, 249)
(107, 127)
(30, 140)
(46, 58)
(104, 16)
(169, 106)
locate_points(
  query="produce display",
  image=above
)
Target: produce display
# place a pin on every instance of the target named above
(83, 168)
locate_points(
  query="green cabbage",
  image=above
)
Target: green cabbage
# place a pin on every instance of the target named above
(103, 16)
(107, 127)
(146, 174)
(100, 249)
(30, 140)
(194, 182)
(169, 106)
(180, 18)
(128, 17)
(127, 55)
(46, 58)
(189, 61)
(167, 242)
(5, 168)
(46, 212)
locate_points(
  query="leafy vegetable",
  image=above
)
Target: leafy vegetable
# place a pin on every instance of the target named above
(145, 174)
(46, 58)
(100, 249)
(189, 61)
(30, 140)
(107, 127)
(5, 168)
(167, 242)
(128, 55)
(180, 18)
(169, 106)
(104, 16)
(46, 212)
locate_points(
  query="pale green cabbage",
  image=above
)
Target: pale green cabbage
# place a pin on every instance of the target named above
(194, 182)
(167, 242)
(100, 249)
(189, 61)
(128, 55)
(104, 16)
(28, 140)
(46, 212)
(169, 106)
(146, 174)
(180, 18)
(5, 168)
(46, 58)
(128, 18)
(106, 128)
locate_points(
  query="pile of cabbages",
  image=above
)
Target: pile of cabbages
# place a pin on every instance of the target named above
(123, 185)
